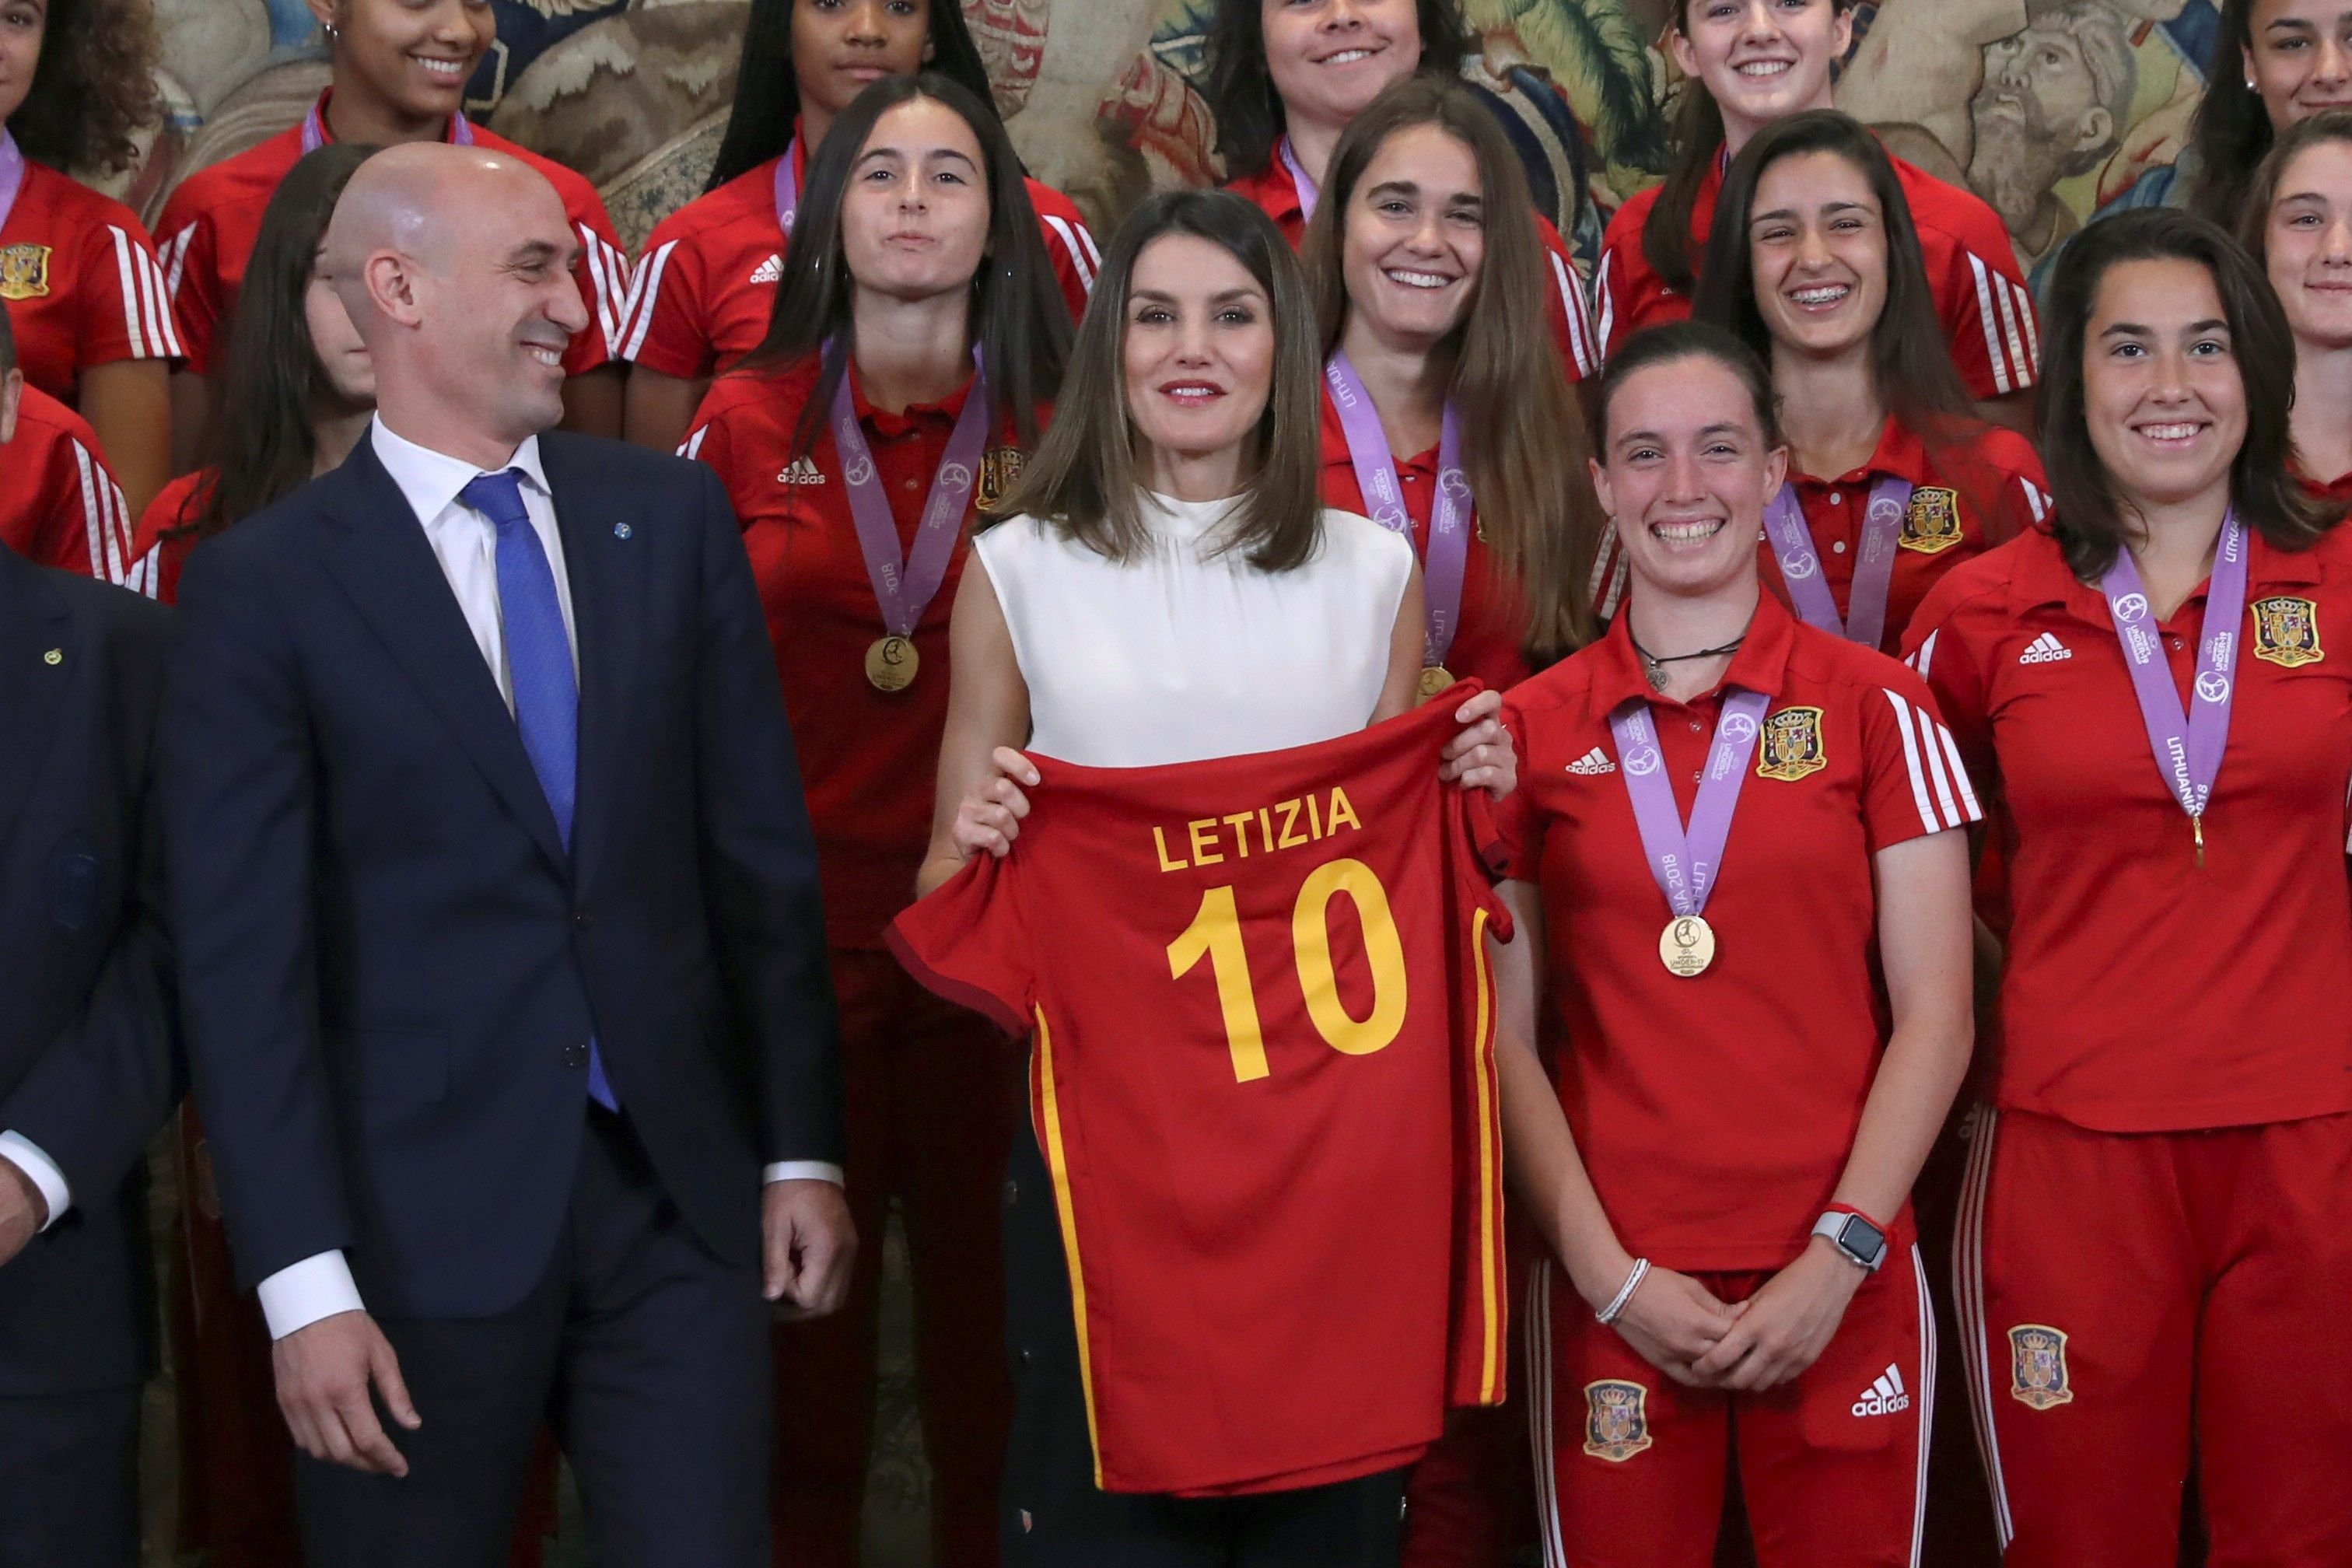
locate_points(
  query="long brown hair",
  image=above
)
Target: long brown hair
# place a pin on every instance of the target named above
(1084, 479)
(2232, 129)
(2088, 518)
(1017, 316)
(2254, 209)
(1522, 447)
(1698, 142)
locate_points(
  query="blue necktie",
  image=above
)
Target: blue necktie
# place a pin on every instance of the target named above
(538, 657)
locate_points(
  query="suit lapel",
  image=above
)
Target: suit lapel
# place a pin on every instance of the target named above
(34, 622)
(607, 617)
(378, 551)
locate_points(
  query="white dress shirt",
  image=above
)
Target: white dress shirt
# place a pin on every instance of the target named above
(466, 543)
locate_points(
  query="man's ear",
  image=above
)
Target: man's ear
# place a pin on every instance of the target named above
(393, 283)
(12, 393)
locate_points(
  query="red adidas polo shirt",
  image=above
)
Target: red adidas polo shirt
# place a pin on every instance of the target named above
(81, 283)
(59, 505)
(1715, 1114)
(2143, 994)
(1980, 291)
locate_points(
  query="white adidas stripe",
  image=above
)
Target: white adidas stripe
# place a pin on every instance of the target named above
(1985, 309)
(1604, 306)
(646, 290)
(1968, 1290)
(1539, 1414)
(1926, 1406)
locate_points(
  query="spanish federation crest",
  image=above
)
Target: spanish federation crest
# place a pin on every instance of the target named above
(1791, 746)
(24, 271)
(1000, 467)
(1616, 1420)
(2286, 631)
(1932, 525)
(2037, 1367)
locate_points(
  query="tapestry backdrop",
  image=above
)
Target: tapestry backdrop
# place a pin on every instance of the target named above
(2049, 110)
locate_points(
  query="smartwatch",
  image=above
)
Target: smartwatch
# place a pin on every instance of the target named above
(1858, 1240)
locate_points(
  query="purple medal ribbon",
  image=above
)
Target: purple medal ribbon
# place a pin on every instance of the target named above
(1685, 864)
(1444, 563)
(1873, 567)
(1308, 192)
(314, 130)
(12, 174)
(2187, 746)
(904, 591)
(788, 188)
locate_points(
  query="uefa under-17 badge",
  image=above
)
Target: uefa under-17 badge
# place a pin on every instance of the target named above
(2038, 1378)
(1616, 1420)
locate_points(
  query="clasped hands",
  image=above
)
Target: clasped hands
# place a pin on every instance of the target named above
(1678, 1326)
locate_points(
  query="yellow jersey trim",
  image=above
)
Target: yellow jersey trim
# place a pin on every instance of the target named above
(1057, 1163)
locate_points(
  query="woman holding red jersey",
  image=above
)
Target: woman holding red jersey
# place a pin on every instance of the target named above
(401, 69)
(1758, 973)
(2297, 225)
(912, 354)
(1286, 78)
(1893, 481)
(1422, 262)
(93, 317)
(1746, 63)
(2159, 1212)
(709, 271)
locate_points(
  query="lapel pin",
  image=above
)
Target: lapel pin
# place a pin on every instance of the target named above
(621, 530)
(55, 656)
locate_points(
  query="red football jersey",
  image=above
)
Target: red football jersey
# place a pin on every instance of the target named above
(157, 545)
(2143, 992)
(1980, 291)
(212, 216)
(706, 280)
(1261, 1075)
(1277, 195)
(82, 284)
(59, 505)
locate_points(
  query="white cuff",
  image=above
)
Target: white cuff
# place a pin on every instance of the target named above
(301, 1294)
(26, 1155)
(804, 1171)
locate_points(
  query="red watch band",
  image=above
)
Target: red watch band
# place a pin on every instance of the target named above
(1848, 1208)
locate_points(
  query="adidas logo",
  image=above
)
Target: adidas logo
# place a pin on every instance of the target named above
(1593, 762)
(2045, 649)
(803, 471)
(1885, 1395)
(769, 271)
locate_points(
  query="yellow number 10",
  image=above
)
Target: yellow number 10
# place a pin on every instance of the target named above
(1215, 934)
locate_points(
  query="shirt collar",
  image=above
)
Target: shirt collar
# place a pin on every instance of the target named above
(2043, 578)
(431, 480)
(1761, 664)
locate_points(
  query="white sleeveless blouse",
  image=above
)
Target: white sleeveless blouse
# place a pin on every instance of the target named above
(1183, 655)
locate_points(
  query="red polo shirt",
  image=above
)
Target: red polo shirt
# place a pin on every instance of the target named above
(867, 758)
(1494, 618)
(82, 287)
(59, 505)
(1715, 1114)
(174, 507)
(212, 218)
(705, 280)
(1277, 195)
(2143, 994)
(1980, 291)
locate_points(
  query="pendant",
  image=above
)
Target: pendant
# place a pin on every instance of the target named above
(891, 663)
(1686, 946)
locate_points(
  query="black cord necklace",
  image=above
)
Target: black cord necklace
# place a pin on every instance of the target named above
(1655, 666)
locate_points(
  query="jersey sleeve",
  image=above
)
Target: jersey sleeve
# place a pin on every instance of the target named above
(667, 322)
(190, 256)
(81, 522)
(969, 944)
(1914, 781)
(1572, 318)
(710, 440)
(1987, 309)
(602, 273)
(123, 305)
(1941, 651)
(1078, 260)
(1612, 284)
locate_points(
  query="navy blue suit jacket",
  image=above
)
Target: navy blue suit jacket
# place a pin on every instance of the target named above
(88, 1063)
(393, 966)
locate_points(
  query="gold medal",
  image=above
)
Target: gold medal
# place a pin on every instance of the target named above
(1434, 679)
(1688, 945)
(891, 663)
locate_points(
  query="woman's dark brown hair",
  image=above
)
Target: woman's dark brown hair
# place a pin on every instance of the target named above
(94, 88)
(271, 386)
(1086, 480)
(1522, 444)
(768, 94)
(1698, 142)
(1655, 346)
(2231, 130)
(2090, 520)
(2262, 191)
(1910, 357)
(1018, 315)
(1240, 89)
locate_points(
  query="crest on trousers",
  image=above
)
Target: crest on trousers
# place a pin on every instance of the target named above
(24, 271)
(1616, 1420)
(999, 469)
(2286, 631)
(1932, 524)
(1791, 746)
(2037, 1367)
